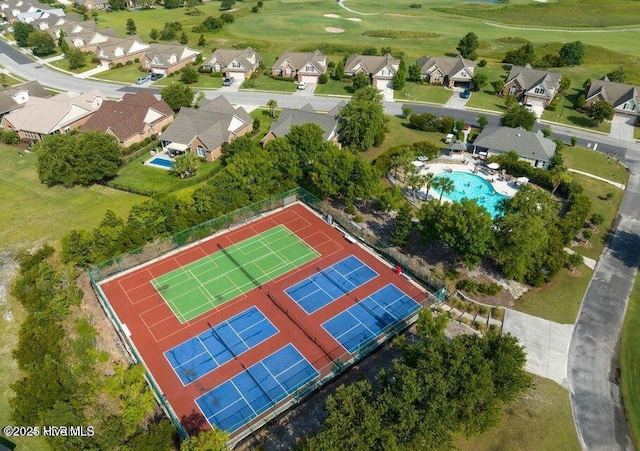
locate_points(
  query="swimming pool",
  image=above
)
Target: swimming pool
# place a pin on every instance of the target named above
(162, 162)
(473, 187)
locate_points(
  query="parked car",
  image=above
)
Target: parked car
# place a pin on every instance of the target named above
(302, 86)
(228, 81)
(155, 77)
(142, 80)
(466, 93)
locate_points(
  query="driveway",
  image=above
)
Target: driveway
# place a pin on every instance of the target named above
(307, 92)
(622, 127)
(234, 86)
(455, 101)
(546, 344)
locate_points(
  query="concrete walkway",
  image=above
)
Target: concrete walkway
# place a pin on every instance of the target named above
(588, 262)
(616, 184)
(546, 344)
(92, 72)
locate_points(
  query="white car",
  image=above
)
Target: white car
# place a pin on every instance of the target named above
(302, 86)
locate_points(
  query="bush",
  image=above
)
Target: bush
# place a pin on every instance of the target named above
(133, 147)
(323, 79)
(254, 9)
(473, 286)
(227, 18)
(416, 5)
(10, 137)
(128, 63)
(482, 63)
(119, 65)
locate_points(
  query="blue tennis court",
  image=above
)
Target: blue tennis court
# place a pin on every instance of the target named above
(235, 402)
(329, 284)
(203, 353)
(364, 321)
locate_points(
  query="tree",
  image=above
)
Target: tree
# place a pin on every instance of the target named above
(400, 78)
(360, 80)
(83, 159)
(154, 34)
(242, 144)
(618, 75)
(521, 56)
(338, 72)
(518, 116)
(21, 33)
(414, 72)
(479, 80)
(202, 42)
(468, 46)
(572, 53)
(482, 121)
(172, 4)
(131, 27)
(415, 182)
(498, 86)
(403, 226)
(186, 165)
(272, 104)
(600, 111)
(62, 43)
(586, 234)
(596, 219)
(189, 75)
(41, 43)
(574, 261)
(427, 181)
(116, 5)
(211, 440)
(184, 39)
(445, 186)
(177, 95)
(227, 5)
(76, 58)
(362, 121)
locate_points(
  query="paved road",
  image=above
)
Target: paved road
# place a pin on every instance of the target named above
(593, 366)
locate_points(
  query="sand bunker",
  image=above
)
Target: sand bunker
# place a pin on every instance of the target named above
(334, 30)
(332, 16)
(354, 19)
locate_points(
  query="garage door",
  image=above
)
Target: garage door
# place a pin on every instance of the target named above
(237, 75)
(537, 106)
(308, 79)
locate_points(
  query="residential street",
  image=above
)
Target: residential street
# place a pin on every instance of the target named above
(592, 363)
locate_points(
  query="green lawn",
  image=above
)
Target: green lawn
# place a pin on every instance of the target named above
(485, 99)
(335, 88)
(423, 93)
(64, 65)
(204, 81)
(149, 179)
(636, 132)
(125, 74)
(566, 113)
(596, 191)
(32, 213)
(266, 83)
(10, 80)
(630, 363)
(540, 420)
(595, 163)
(558, 300)
(262, 114)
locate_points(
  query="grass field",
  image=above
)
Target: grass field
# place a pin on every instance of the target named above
(335, 87)
(540, 420)
(64, 65)
(32, 213)
(558, 300)
(399, 135)
(266, 83)
(630, 363)
(125, 74)
(595, 163)
(423, 93)
(204, 81)
(596, 191)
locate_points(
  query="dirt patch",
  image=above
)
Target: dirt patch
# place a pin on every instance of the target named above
(334, 30)
(8, 271)
(332, 16)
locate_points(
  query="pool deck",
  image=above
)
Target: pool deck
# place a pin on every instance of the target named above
(455, 165)
(160, 156)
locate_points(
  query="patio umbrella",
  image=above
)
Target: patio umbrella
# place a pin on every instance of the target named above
(522, 180)
(493, 165)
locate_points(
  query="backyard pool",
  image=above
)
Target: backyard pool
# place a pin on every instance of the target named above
(162, 162)
(473, 187)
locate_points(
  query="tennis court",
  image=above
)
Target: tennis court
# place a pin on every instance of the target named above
(235, 402)
(331, 283)
(217, 345)
(221, 276)
(367, 319)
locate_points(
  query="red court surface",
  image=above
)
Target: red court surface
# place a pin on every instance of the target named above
(155, 329)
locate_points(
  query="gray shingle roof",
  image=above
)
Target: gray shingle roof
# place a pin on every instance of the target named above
(529, 78)
(614, 93)
(225, 57)
(299, 60)
(7, 102)
(526, 144)
(447, 65)
(290, 117)
(372, 64)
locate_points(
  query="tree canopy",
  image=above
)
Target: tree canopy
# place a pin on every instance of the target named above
(468, 46)
(600, 111)
(572, 53)
(177, 95)
(518, 116)
(362, 121)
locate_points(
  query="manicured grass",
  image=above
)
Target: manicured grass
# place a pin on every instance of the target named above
(486, 99)
(423, 93)
(204, 81)
(560, 299)
(149, 179)
(630, 363)
(596, 191)
(262, 114)
(336, 88)
(266, 83)
(636, 132)
(595, 163)
(64, 65)
(32, 212)
(125, 74)
(399, 135)
(10, 80)
(540, 420)
(566, 113)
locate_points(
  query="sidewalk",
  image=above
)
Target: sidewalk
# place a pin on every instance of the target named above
(589, 262)
(622, 186)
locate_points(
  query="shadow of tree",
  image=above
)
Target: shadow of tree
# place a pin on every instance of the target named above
(580, 121)
(625, 247)
(193, 422)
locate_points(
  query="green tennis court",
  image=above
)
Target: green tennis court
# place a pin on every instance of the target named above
(215, 279)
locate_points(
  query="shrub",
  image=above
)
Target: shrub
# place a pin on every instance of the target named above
(323, 79)
(574, 141)
(227, 18)
(137, 60)
(10, 137)
(482, 63)
(416, 5)
(128, 63)
(133, 147)
(254, 9)
(119, 65)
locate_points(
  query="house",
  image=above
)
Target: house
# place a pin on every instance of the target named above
(447, 71)
(168, 58)
(532, 147)
(12, 8)
(204, 130)
(58, 114)
(34, 14)
(379, 69)
(14, 97)
(532, 86)
(121, 50)
(239, 64)
(132, 119)
(289, 117)
(93, 4)
(457, 149)
(88, 40)
(304, 67)
(625, 99)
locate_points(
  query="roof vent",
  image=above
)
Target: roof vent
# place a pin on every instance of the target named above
(518, 135)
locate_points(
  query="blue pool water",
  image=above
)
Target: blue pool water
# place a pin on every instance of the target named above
(473, 187)
(162, 162)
